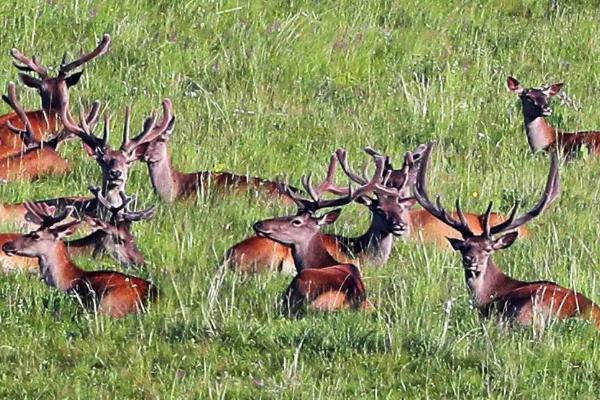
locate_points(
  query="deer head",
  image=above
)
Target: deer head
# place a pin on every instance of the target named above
(117, 239)
(54, 91)
(389, 207)
(115, 164)
(27, 134)
(303, 226)
(536, 101)
(476, 250)
(46, 239)
(156, 151)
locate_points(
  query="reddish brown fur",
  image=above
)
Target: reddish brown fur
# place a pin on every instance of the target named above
(33, 164)
(41, 122)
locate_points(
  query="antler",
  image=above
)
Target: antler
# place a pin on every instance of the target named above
(150, 130)
(26, 134)
(84, 130)
(28, 64)
(551, 192)
(43, 215)
(122, 213)
(420, 193)
(101, 49)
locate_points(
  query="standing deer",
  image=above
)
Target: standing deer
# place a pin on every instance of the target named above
(388, 220)
(494, 292)
(115, 164)
(172, 185)
(322, 280)
(38, 158)
(540, 134)
(106, 292)
(54, 92)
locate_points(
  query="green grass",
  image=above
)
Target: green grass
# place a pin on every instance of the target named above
(270, 89)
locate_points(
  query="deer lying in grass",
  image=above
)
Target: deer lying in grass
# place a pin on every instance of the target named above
(54, 92)
(106, 292)
(540, 134)
(494, 292)
(38, 158)
(115, 164)
(322, 282)
(111, 234)
(388, 220)
(172, 185)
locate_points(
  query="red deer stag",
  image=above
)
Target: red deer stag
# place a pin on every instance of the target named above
(39, 158)
(115, 164)
(54, 92)
(388, 220)
(495, 293)
(172, 185)
(322, 281)
(540, 134)
(106, 292)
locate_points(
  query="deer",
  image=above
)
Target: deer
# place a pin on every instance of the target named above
(421, 225)
(111, 234)
(54, 93)
(105, 292)
(115, 164)
(39, 158)
(388, 221)
(172, 185)
(322, 281)
(540, 134)
(493, 292)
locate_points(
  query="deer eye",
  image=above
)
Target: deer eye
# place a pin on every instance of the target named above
(296, 222)
(34, 235)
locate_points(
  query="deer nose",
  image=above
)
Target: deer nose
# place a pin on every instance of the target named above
(469, 260)
(8, 248)
(115, 173)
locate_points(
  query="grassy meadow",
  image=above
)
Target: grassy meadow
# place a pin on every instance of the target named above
(271, 89)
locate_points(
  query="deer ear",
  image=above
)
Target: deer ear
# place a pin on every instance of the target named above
(514, 85)
(73, 79)
(456, 244)
(96, 224)
(330, 217)
(553, 89)
(66, 230)
(505, 241)
(409, 201)
(30, 81)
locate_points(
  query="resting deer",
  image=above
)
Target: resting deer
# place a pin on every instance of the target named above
(322, 280)
(115, 164)
(388, 220)
(111, 234)
(38, 158)
(172, 185)
(494, 292)
(540, 134)
(421, 225)
(106, 292)
(54, 92)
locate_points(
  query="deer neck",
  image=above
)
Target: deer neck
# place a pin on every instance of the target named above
(540, 134)
(113, 194)
(58, 270)
(312, 253)
(489, 285)
(374, 246)
(164, 178)
(91, 243)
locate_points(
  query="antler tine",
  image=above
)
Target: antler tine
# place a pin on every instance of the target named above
(12, 100)
(342, 156)
(127, 125)
(106, 130)
(420, 193)
(284, 188)
(551, 192)
(101, 49)
(93, 115)
(151, 131)
(486, 220)
(45, 213)
(28, 64)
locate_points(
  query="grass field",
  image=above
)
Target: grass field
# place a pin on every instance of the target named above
(271, 89)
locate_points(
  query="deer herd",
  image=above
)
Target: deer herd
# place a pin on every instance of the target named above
(326, 268)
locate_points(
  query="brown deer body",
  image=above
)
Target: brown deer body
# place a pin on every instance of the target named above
(540, 134)
(493, 292)
(172, 185)
(106, 292)
(54, 93)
